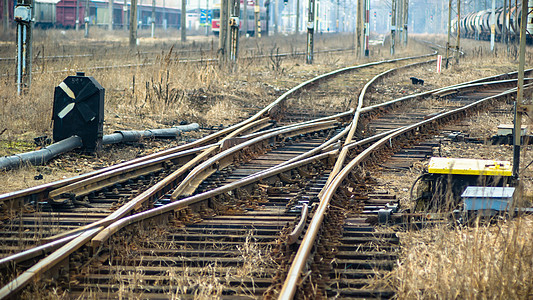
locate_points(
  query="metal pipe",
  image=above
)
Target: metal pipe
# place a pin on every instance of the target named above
(40, 156)
(124, 136)
(43, 155)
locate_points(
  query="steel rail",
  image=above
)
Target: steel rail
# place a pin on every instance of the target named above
(298, 229)
(269, 110)
(302, 156)
(176, 205)
(226, 158)
(190, 183)
(121, 223)
(355, 121)
(182, 61)
(47, 263)
(135, 203)
(302, 255)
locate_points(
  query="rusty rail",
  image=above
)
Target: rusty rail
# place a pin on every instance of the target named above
(302, 256)
(111, 221)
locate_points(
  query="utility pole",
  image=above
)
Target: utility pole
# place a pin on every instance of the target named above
(393, 27)
(492, 25)
(223, 30)
(86, 18)
(183, 20)
(267, 19)
(310, 31)
(257, 20)
(153, 19)
(406, 21)
(297, 28)
(133, 24)
(449, 32)
(337, 17)
(207, 24)
(77, 15)
(399, 20)
(234, 29)
(519, 107)
(367, 27)
(111, 4)
(125, 15)
(276, 11)
(458, 46)
(6, 16)
(517, 30)
(359, 29)
(23, 15)
(504, 26)
(245, 17)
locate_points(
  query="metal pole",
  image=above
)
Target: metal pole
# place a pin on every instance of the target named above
(517, 29)
(297, 28)
(492, 25)
(359, 29)
(183, 22)
(245, 17)
(133, 23)
(6, 16)
(77, 15)
(19, 58)
(520, 91)
(310, 31)
(367, 27)
(406, 21)
(504, 26)
(125, 26)
(207, 24)
(23, 16)
(257, 20)
(153, 19)
(393, 27)
(399, 20)
(234, 29)
(458, 46)
(86, 19)
(223, 30)
(111, 4)
(276, 11)
(449, 32)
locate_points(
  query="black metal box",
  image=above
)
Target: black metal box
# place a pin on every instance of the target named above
(79, 110)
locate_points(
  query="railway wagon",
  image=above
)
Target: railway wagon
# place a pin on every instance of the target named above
(45, 13)
(66, 13)
(215, 22)
(10, 5)
(476, 25)
(62, 13)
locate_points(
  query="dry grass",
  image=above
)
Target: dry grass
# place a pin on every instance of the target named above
(483, 262)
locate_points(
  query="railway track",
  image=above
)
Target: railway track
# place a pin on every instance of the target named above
(78, 196)
(342, 248)
(251, 188)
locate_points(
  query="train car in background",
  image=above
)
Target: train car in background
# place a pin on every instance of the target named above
(215, 21)
(66, 13)
(45, 15)
(62, 13)
(10, 6)
(476, 25)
